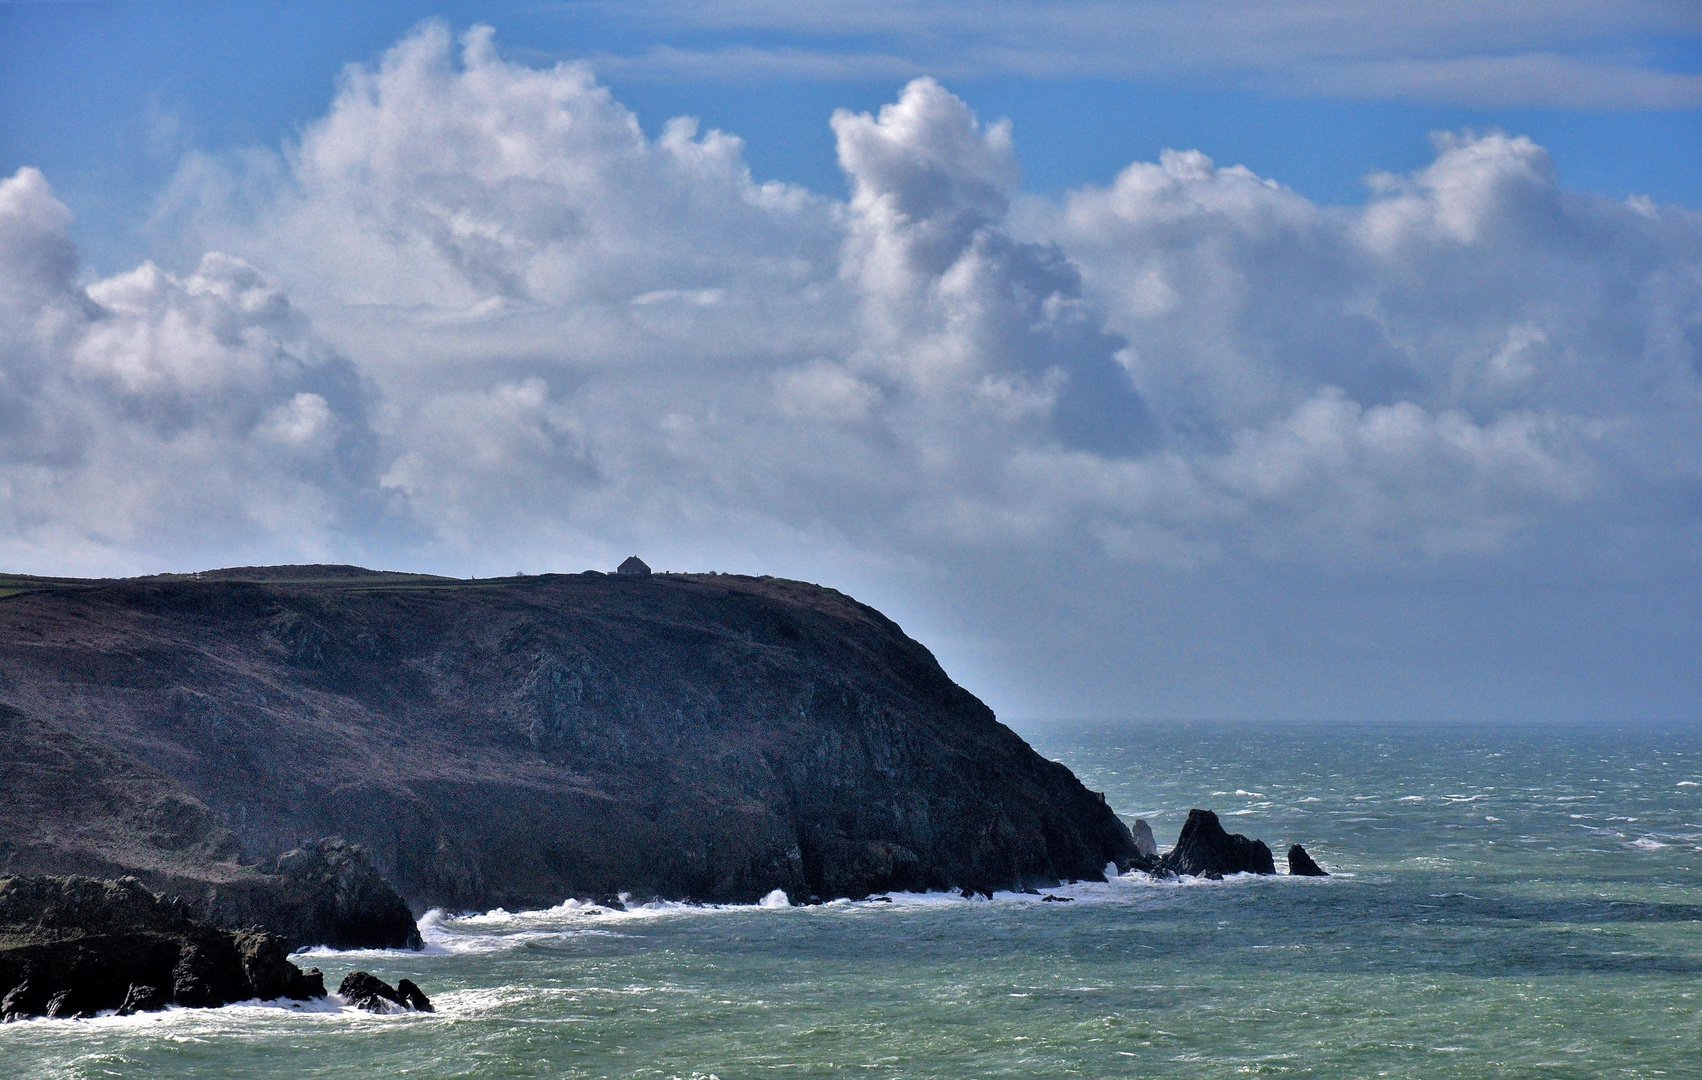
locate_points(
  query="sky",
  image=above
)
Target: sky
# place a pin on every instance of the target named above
(1269, 360)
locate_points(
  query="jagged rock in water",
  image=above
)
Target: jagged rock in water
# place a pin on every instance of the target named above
(1204, 849)
(265, 963)
(140, 998)
(68, 1004)
(1300, 864)
(412, 996)
(331, 895)
(22, 1001)
(75, 946)
(369, 992)
(510, 742)
(1145, 845)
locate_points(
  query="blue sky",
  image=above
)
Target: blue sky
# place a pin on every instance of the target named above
(103, 96)
(1247, 359)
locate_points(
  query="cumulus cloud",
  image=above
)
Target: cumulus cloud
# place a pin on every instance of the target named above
(446, 178)
(143, 412)
(950, 300)
(475, 317)
(1475, 300)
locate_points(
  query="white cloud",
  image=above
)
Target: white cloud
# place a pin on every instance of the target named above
(303, 422)
(141, 413)
(823, 390)
(577, 341)
(954, 309)
(446, 177)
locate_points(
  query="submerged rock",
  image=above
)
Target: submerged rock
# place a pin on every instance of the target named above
(369, 992)
(1300, 864)
(1204, 849)
(76, 946)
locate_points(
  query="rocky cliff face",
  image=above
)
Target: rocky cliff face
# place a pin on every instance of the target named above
(515, 742)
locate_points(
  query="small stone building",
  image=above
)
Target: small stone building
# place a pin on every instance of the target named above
(633, 565)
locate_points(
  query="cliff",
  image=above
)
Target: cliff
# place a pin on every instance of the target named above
(510, 742)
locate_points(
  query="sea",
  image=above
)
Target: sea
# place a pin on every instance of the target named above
(1505, 901)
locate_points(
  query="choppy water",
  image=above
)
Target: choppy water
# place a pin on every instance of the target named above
(1518, 902)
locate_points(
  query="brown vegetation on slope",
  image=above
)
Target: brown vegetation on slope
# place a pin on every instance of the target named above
(515, 741)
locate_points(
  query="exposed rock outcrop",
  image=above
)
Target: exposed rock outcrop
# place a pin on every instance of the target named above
(75, 946)
(330, 894)
(1145, 844)
(512, 743)
(1203, 849)
(1300, 864)
(369, 992)
(412, 996)
(74, 806)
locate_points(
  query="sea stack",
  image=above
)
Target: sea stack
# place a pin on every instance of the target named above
(1205, 849)
(1145, 844)
(1300, 864)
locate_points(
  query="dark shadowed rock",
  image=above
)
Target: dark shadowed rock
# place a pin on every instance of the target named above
(1204, 849)
(412, 996)
(75, 946)
(265, 964)
(1300, 864)
(511, 742)
(140, 998)
(369, 992)
(330, 894)
(22, 1001)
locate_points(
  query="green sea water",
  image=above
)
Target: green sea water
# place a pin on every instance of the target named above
(1506, 902)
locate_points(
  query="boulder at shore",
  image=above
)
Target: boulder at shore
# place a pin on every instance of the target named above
(76, 946)
(1204, 848)
(1300, 864)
